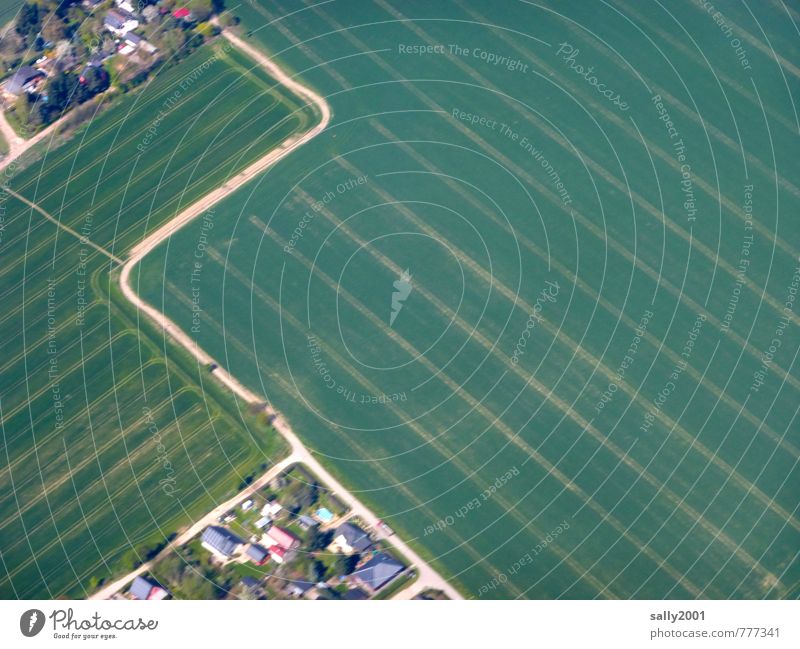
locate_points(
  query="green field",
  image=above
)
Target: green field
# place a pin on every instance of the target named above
(508, 185)
(8, 10)
(114, 439)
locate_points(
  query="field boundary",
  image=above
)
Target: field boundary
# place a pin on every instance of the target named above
(66, 228)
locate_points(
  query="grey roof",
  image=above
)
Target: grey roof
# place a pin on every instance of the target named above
(299, 586)
(355, 593)
(22, 76)
(356, 537)
(378, 571)
(257, 552)
(115, 19)
(250, 582)
(222, 540)
(307, 521)
(141, 587)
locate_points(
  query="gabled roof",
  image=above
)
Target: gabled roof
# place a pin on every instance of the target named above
(223, 541)
(307, 521)
(141, 587)
(22, 76)
(299, 586)
(282, 537)
(355, 593)
(115, 19)
(257, 552)
(355, 537)
(278, 551)
(250, 582)
(379, 570)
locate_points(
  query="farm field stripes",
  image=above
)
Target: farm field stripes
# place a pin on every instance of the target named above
(391, 137)
(671, 496)
(109, 447)
(573, 279)
(530, 180)
(708, 456)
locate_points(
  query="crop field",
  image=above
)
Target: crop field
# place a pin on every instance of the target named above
(113, 439)
(587, 387)
(8, 9)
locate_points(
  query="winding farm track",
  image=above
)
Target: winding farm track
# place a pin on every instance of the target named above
(428, 577)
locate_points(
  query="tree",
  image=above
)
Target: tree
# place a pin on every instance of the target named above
(23, 107)
(345, 564)
(54, 29)
(172, 568)
(317, 571)
(94, 80)
(130, 560)
(60, 91)
(317, 539)
(196, 586)
(28, 21)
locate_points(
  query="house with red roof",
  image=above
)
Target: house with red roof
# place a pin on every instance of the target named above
(144, 589)
(281, 537)
(279, 554)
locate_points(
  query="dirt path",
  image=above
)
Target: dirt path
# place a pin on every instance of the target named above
(15, 142)
(61, 225)
(428, 577)
(18, 145)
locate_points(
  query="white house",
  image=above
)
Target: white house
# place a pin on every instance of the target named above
(120, 23)
(125, 5)
(271, 509)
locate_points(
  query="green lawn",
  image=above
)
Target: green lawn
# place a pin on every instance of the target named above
(688, 494)
(113, 438)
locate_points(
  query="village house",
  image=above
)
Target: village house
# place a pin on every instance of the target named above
(258, 554)
(125, 5)
(263, 522)
(120, 23)
(282, 538)
(377, 572)
(348, 539)
(144, 589)
(279, 554)
(252, 585)
(271, 509)
(25, 79)
(221, 542)
(298, 587)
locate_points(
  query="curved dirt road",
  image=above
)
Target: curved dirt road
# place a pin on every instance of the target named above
(427, 576)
